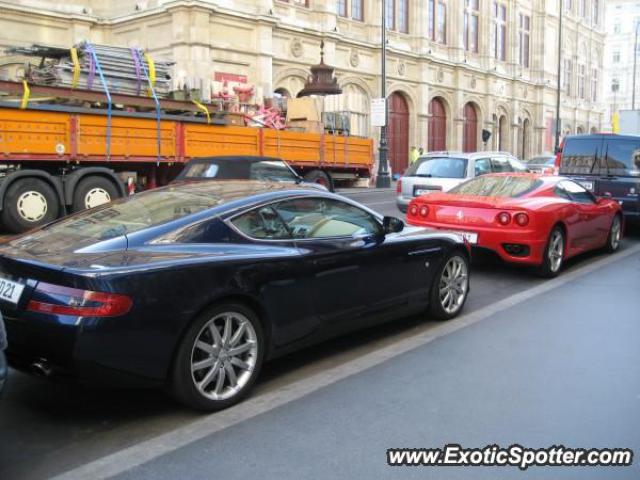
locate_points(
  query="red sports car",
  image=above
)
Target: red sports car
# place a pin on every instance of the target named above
(525, 218)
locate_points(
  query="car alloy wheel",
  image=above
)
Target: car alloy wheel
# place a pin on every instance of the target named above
(556, 251)
(615, 234)
(224, 356)
(454, 283)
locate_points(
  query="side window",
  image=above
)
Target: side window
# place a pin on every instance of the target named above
(561, 192)
(483, 166)
(274, 171)
(622, 157)
(577, 192)
(262, 223)
(501, 164)
(326, 218)
(517, 165)
(579, 156)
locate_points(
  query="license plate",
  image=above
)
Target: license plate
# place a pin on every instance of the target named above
(422, 192)
(10, 291)
(472, 238)
(587, 185)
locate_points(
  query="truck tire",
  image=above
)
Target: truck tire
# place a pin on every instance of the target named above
(318, 176)
(29, 203)
(92, 192)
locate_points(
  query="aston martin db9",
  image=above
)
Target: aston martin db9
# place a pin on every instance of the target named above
(194, 286)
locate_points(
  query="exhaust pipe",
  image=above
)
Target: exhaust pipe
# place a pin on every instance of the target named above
(41, 368)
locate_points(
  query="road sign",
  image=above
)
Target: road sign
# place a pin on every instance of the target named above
(378, 112)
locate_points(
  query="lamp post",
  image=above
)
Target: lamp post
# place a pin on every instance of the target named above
(635, 65)
(383, 179)
(557, 144)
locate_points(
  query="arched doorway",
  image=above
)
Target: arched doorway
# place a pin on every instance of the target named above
(470, 133)
(437, 129)
(524, 140)
(398, 133)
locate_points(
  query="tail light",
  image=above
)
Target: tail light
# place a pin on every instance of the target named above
(424, 211)
(413, 210)
(60, 300)
(504, 218)
(521, 219)
(399, 186)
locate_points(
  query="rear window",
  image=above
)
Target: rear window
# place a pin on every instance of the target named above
(273, 170)
(125, 216)
(498, 186)
(438, 167)
(579, 156)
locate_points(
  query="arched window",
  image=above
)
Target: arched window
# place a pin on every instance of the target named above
(437, 126)
(470, 133)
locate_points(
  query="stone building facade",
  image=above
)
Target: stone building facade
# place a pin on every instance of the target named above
(455, 67)
(621, 22)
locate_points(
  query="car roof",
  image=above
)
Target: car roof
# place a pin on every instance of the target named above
(458, 154)
(600, 136)
(546, 178)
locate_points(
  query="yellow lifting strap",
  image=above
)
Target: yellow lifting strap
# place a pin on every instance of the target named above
(25, 95)
(204, 109)
(76, 67)
(152, 72)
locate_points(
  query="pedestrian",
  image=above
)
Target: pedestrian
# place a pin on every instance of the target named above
(413, 155)
(421, 150)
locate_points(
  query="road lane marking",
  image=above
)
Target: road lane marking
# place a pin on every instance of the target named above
(148, 450)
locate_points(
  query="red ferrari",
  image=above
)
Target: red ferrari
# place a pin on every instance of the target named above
(525, 218)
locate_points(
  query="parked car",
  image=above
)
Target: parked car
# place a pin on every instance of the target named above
(195, 285)
(441, 171)
(3, 359)
(545, 164)
(525, 218)
(242, 168)
(605, 165)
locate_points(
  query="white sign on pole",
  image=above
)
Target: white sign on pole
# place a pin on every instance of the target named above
(378, 112)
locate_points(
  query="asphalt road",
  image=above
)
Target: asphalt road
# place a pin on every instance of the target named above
(559, 367)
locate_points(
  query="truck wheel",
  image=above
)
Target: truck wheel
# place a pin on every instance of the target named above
(319, 177)
(29, 203)
(92, 192)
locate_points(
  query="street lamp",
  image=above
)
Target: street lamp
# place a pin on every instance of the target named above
(635, 64)
(557, 145)
(383, 179)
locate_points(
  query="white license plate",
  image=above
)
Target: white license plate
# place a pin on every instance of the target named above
(10, 291)
(472, 238)
(587, 185)
(422, 192)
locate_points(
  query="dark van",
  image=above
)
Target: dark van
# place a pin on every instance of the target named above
(605, 164)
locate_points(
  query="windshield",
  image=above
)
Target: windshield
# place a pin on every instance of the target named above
(438, 167)
(547, 161)
(128, 215)
(497, 186)
(239, 169)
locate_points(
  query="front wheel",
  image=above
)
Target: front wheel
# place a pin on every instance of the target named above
(319, 177)
(29, 203)
(553, 255)
(219, 358)
(451, 287)
(615, 235)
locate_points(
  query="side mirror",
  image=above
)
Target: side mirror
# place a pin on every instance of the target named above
(392, 225)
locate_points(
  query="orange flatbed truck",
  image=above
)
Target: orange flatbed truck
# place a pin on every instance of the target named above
(56, 158)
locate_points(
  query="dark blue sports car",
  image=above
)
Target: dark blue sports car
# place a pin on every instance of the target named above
(193, 286)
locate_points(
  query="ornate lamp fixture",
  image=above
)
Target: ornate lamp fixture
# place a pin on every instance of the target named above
(321, 82)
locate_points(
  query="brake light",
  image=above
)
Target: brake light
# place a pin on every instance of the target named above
(413, 210)
(399, 186)
(504, 218)
(80, 303)
(522, 219)
(424, 211)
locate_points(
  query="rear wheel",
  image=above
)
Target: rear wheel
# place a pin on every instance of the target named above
(29, 203)
(450, 288)
(553, 255)
(319, 177)
(92, 192)
(615, 235)
(219, 358)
